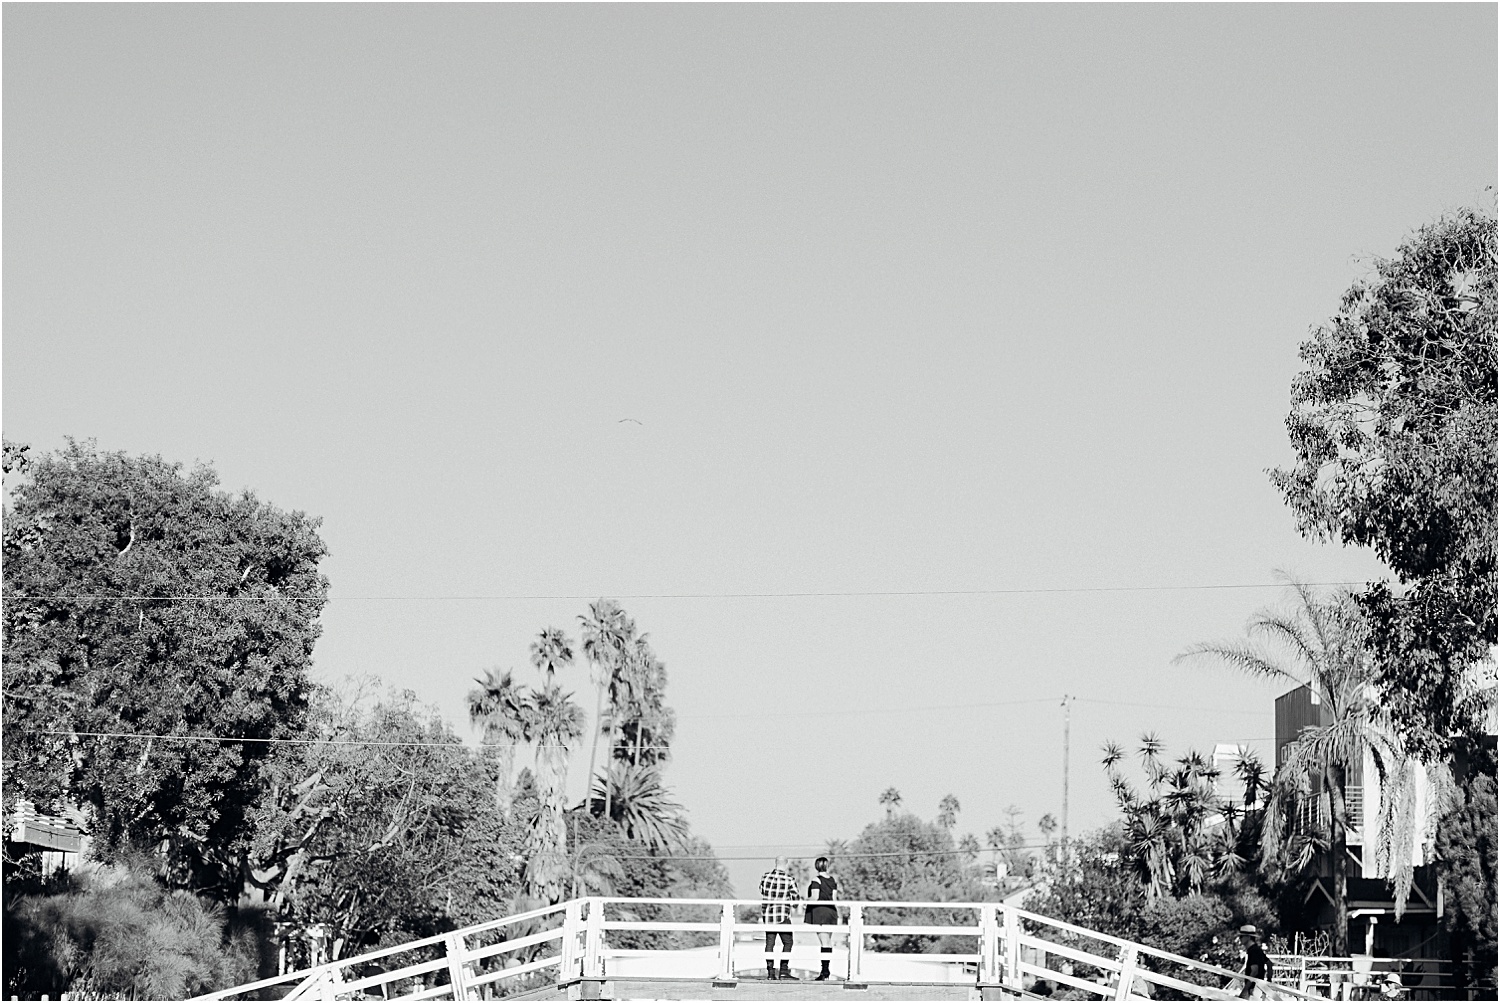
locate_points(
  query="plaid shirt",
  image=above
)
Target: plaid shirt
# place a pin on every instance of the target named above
(779, 891)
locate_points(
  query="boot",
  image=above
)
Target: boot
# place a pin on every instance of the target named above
(771, 970)
(786, 972)
(823, 975)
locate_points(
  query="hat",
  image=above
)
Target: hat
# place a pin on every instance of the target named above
(1250, 929)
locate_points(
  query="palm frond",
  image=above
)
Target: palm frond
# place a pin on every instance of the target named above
(1112, 754)
(1239, 656)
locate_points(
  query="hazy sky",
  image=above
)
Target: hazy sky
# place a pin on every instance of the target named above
(903, 298)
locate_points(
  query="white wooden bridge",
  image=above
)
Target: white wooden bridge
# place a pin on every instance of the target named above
(564, 952)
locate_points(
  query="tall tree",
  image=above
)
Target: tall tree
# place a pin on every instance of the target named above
(501, 708)
(1394, 425)
(605, 631)
(643, 724)
(142, 601)
(1320, 642)
(948, 810)
(551, 652)
(554, 724)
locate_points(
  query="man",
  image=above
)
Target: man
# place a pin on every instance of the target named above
(778, 891)
(1257, 964)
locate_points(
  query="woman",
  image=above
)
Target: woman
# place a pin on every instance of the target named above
(823, 888)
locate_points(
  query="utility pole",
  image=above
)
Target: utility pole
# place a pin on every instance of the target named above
(1067, 703)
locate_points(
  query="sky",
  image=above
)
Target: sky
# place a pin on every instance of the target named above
(957, 342)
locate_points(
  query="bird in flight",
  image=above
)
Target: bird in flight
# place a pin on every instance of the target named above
(623, 420)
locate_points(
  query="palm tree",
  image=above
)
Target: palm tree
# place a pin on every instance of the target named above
(554, 723)
(604, 638)
(1175, 842)
(500, 708)
(1320, 643)
(595, 869)
(890, 799)
(642, 806)
(551, 652)
(641, 710)
(948, 811)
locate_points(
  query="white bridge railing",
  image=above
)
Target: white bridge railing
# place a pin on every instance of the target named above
(572, 940)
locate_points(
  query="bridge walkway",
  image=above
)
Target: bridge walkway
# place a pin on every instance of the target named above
(668, 949)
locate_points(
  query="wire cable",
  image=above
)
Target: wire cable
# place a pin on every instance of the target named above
(856, 594)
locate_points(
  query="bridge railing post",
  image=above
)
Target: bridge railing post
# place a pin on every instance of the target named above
(856, 941)
(593, 941)
(726, 943)
(1127, 973)
(458, 974)
(989, 946)
(572, 930)
(1012, 975)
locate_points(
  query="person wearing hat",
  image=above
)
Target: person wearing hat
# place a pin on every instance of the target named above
(1257, 964)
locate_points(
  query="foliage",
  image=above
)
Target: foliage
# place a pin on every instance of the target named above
(642, 723)
(553, 724)
(642, 806)
(690, 870)
(1467, 847)
(1321, 643)
(607, 634)
(1101, 890)
(904, 858)
(100, 549)
(119, 932)
(948, 810)
(385, 824)
(1394, 426)
(500, 708)
(1180, 833)
(1009, 842)
(1098, 889)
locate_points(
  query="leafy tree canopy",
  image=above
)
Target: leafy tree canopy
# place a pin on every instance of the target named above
(1394, 426)
(903, 858)
(101, 550)
(386, 825)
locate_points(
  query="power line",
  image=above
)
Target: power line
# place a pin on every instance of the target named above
(1165, 706)
(757, 716)
(840, 856)
(854, 594)
(643, 748)
(311, 741)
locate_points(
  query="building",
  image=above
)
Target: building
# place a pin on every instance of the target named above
(60, 840)
(1373, 926)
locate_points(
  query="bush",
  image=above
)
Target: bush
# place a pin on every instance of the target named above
(120, 933)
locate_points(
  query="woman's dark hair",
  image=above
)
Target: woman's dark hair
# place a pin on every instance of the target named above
(821, 863)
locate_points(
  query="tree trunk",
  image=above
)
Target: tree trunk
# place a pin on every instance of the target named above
(609, 762)
(1338, 846)
(588, 789)
(547, 866)
(507, 756)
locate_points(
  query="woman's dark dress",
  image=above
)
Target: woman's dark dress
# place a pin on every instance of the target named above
(821, 889)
